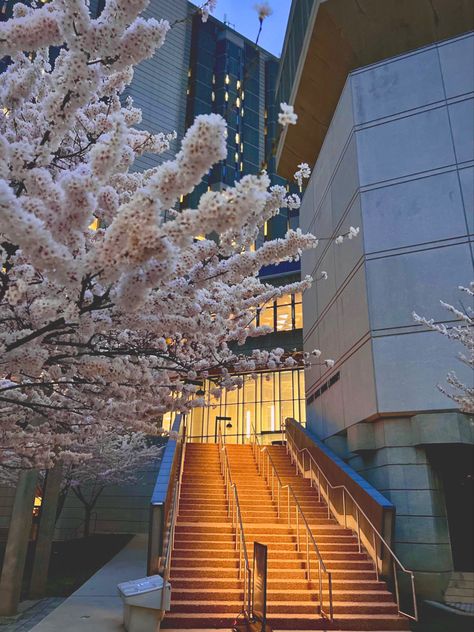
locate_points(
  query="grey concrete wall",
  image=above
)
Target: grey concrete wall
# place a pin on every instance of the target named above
(120, 509)
(159, 84)
(398, 162)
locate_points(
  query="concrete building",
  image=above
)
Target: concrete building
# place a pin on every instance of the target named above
(384, 92)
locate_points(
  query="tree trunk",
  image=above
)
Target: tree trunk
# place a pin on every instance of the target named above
(17, 543)
(87, 520)
(45, 537)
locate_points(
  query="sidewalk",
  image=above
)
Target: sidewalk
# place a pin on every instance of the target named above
(96, 606)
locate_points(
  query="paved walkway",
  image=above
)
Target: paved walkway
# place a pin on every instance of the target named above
(96, 606)
(35, 613)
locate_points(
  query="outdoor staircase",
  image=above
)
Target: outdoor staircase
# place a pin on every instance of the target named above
(206, 590)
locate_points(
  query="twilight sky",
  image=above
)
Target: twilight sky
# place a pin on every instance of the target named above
(243, 18)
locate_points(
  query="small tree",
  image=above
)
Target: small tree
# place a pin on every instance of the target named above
(114, 460)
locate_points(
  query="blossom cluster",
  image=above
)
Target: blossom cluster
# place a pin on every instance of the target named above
(111, 311)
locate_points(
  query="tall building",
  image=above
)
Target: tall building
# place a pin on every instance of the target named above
(384, 93)
(228, 74)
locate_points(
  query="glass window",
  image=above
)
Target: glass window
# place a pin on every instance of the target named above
(298, 312)
(284, 318)
(263, 403)
(266, 317)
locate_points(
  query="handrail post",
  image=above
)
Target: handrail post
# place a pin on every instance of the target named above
(331, 605)
(358, 528)
(289, 508)
(278, 507)
(297, 527)
(308, 563)
(395, 579)
(415, 605)
(321, 606)
(319, 484)
(344, 506)
(376, 558)
(327, 499)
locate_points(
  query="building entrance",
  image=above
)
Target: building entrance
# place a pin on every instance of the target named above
(455, 465)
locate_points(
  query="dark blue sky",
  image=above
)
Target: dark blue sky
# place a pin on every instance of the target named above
(243, 18)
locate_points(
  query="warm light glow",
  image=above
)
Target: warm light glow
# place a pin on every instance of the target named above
(95, 224)
(181, 199)
(272, 418)
(226, 96)
(200, 237)
(237, 102)
(241, 166)
(236, 156)
(243, 95)
(238, 84)
(227, 80)
(241, 147)
(265, 229)
(248, 424)
(237, 138)
(213, 96)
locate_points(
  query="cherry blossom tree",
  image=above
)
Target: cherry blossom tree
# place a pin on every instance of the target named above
(110, 310)
(462, 333)
(113, 460)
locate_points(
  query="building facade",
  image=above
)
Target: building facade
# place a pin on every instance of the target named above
(392, 148)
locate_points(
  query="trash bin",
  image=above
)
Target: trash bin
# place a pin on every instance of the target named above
(143, 603)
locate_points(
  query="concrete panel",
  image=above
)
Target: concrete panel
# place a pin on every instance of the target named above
(462, 123)
(353, 311)
(413, 212)
(349, 253)
(401, 284)
(307, 208)
(333, 407)
(421, 529)
(357, 378)
(334, 142)
(457, 65)
(396, 86)
(345, 182)
(425, 556)
(466, 177)
(326, 288)
(408, 145)
(408, 369)
(418, 501)
(329, 335)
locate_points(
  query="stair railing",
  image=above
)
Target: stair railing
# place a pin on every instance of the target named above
(267, 469)
(324, 488)
(166, 560)
(234, 512)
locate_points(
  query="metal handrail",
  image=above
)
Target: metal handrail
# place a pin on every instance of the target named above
(234, 512)
(294, 452)
(166, 568)
(259, 454)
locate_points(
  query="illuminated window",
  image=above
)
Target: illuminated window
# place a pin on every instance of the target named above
(236, 156)
(263, 403)
(213, 78)
(242, 112)
(266, 317)
(227, 80)
(213, 96)
(243, 95)
(284, 313)
(237, 102)
(95, 225)
(237, 138)
(241, 147)
(241, 166)
(265, 229)
(181, 199)
(226, 96)
(298, 311)
(238, 84)
(189, 72)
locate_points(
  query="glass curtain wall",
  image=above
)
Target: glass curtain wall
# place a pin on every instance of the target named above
(262, 403)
